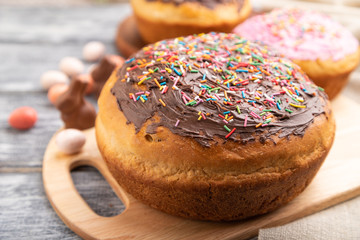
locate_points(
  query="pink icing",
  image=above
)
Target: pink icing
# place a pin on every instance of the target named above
(299, 34)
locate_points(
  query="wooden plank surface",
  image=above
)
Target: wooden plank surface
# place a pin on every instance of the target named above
(33, 40)
(25, 212)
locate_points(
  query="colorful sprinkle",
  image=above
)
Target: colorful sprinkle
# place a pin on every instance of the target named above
(297, 106)
(227, 129)
(162, 102)
(177, 123)
(231, 132)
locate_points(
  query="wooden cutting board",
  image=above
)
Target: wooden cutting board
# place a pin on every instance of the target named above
(337, 181)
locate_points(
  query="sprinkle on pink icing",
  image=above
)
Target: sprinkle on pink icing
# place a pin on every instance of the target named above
(299, 34)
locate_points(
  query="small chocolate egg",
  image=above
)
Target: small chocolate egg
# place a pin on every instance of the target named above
(70, 141)
(23, 118)
(93, 51)
(55, 91)
(52, 77)
(71, 66)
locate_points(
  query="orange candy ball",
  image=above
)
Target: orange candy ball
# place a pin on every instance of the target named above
(23, 118)
(55, 91)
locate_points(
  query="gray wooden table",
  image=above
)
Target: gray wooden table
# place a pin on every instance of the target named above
(33, 40)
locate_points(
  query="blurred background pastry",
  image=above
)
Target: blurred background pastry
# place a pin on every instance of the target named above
(163, 19)
(322, 47)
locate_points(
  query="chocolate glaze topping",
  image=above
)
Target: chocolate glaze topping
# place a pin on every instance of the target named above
(217, 85)
(207, 3)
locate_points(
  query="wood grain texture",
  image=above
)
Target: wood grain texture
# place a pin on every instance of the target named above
(69, 24)
(33, 141)
(25, 212)
(33, 40)
(338, 180)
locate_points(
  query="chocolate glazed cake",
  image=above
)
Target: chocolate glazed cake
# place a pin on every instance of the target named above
(207, 3)
(213, 127)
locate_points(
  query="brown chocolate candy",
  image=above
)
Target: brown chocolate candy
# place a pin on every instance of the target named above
(76, 112)
(103, 70)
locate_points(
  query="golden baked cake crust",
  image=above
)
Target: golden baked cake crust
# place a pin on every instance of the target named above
(157, 20)
(245, 187)
(331, 75)
(220, 179)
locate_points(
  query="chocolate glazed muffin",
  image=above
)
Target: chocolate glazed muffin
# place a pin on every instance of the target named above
(213, 127)
(163, 19)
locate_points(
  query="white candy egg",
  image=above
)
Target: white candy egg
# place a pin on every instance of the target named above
(70, 140)
(51, 78)
(71, 66)
(93, 51)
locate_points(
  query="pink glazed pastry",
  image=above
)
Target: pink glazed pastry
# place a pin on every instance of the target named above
(322, 47)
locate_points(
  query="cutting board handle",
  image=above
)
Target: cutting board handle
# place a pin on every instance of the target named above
(64, 197)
